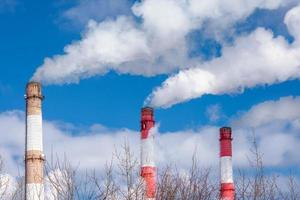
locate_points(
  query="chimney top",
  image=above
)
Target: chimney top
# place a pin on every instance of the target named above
(34, 89)
(147, 108)
(225, 133)
(147, 114)
(34, 83)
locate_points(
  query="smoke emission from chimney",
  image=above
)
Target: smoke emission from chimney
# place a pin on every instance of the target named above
(257, 59)
(157, 45)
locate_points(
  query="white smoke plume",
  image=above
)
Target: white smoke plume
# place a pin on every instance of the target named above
(156, 46)
(256, 59)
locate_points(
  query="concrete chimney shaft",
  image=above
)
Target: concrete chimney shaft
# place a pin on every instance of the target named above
(34, 157)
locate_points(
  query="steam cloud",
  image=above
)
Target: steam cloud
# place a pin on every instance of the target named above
(256, 59)
(156, 46)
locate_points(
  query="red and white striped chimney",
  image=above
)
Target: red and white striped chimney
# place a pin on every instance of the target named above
(148, 169)
(227, 185)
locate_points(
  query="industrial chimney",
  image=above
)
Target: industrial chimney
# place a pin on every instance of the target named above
(148, 169)
(227, 185)
(34, 157)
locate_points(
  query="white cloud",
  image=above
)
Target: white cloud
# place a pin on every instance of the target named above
(81, 150)
(276, 123)
(12, 140)
(179, 147)
(84, 151)
(155, 46)
(292, 20)
(214, 112)
(277, 137)
(284, 109)
(256, 59)
(94, 147)
(276, 142)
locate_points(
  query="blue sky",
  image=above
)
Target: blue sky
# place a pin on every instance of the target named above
(31, 31)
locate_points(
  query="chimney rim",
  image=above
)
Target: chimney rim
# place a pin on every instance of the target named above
(225, 133)
(34, 83)
(226, 128)
(147, 108)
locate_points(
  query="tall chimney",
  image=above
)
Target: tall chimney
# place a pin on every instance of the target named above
(227, 185)
(34, 157)
(148, 169)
